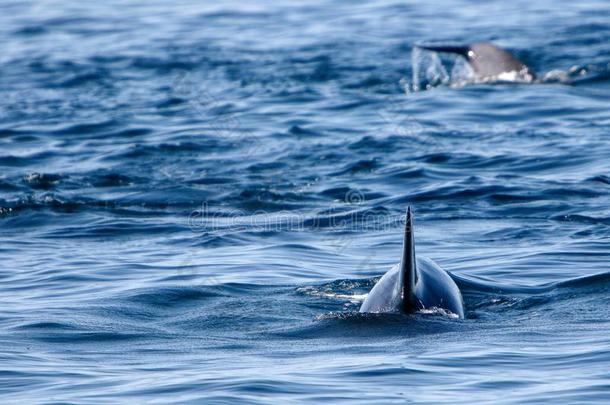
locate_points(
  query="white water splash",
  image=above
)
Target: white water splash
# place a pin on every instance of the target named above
(438, 311)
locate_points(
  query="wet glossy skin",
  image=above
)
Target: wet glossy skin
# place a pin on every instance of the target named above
(488, 60)
(434, 289)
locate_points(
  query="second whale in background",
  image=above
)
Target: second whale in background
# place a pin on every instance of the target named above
(488, 61)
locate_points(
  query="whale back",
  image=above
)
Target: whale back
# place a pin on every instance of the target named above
(437, 289)
(414, 284)
(488, 60)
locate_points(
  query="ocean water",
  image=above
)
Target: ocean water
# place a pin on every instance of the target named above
(195, 199)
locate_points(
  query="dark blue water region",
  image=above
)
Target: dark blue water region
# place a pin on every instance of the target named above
(196, 198)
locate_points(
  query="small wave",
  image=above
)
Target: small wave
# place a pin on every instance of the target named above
(43, 181)
(171, 297)
(365, 165)
(26, 160)
(600, 179)
(163, 64)
(483, 294)
(582, 219)
(110, 180)
(88, 128)
(599, 281)
(143, 150)
(46, 325)
(577, 75)
(300, 131)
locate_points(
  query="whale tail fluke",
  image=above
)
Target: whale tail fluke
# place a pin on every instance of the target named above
(408, 265)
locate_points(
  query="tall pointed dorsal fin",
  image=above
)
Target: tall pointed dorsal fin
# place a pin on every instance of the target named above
(408, 265)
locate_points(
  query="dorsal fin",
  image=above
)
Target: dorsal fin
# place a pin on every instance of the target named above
(460, 49)
(408, 265)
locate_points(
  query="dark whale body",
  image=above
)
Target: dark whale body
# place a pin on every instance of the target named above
(414, 285)
(489, 61)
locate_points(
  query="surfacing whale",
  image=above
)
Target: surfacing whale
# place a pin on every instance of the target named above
(414, 285)
(489, 61)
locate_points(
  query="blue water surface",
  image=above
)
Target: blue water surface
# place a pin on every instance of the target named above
(195, 198)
